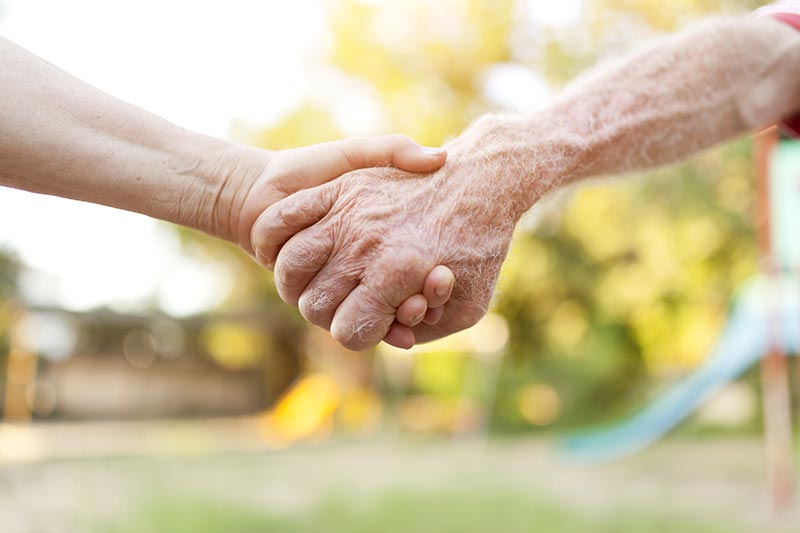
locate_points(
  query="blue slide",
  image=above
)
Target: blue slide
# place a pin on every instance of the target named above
(764, 309)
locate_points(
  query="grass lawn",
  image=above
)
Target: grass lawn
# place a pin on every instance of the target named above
(400, 510)
(394, 485)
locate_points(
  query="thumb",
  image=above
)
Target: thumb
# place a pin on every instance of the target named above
(396, 150)
(308, 167)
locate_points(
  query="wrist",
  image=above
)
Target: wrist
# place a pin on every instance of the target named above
(526, 156)
(217, 176)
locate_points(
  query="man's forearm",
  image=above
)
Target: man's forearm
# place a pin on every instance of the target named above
(682, 94)
(62, 137)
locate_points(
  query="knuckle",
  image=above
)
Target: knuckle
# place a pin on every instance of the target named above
(365, 245)
(280, 216)
(298, 253)
(343, 335)
(276, 216)
(362, 331)
(293, 261)
(300, 206)
(317, 306)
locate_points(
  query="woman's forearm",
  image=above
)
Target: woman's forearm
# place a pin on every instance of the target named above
(62, 137)
(682, 94)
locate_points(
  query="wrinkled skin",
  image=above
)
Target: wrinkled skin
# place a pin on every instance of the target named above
(269, 178)
(350, 251)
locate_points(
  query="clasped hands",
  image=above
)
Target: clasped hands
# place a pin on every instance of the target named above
(406, 254)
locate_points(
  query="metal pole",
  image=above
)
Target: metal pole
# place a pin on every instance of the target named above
(774, 369)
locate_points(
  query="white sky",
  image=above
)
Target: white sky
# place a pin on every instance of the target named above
(201, 64)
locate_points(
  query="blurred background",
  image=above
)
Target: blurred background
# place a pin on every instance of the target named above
(152, 380)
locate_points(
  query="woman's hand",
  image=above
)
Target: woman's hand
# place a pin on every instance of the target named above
(61, 136)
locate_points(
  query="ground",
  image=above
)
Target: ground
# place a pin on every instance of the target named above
(383, 484)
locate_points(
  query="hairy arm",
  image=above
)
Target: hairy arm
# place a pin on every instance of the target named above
(681, 94)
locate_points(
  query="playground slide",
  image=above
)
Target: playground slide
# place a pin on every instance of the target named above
(766, 310)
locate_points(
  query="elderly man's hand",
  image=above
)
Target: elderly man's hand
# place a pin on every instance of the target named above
(351, 251)
(257, 179)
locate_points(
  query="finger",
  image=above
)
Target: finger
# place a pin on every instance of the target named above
(299, 261)
(324, 293)
(307, 167)
(412, 311)
(365, 316)
(279, 222)
(396, 150)
(433, 315)
(438, 286)
(303, 168)
(361, 321)
(400, 336)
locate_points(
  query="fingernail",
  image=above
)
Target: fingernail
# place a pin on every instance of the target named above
(432, 150)
(441, 291)
(417, 319)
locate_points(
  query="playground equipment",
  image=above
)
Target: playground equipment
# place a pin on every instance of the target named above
(743, 342)
(764, 326)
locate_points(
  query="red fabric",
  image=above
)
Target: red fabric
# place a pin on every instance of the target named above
(789, 13)
(792, 19)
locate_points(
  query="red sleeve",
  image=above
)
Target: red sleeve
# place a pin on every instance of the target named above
(787, 11)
